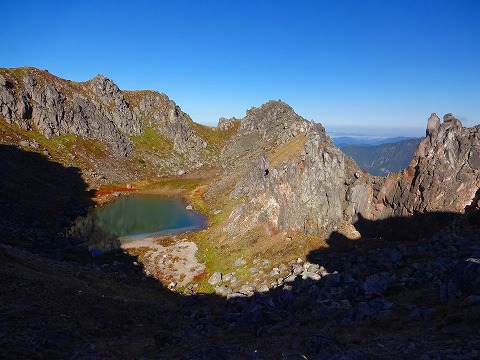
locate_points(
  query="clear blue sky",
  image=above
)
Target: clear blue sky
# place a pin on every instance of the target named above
(377, 63)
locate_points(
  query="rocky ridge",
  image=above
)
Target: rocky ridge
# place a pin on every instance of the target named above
(95, 109)
(315, 188)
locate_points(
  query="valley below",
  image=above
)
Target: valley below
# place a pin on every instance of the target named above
(301, 254)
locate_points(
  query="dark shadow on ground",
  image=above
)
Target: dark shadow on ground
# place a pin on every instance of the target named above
(373, 291)
(39, 198)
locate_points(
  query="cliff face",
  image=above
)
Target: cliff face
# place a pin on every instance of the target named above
(309, 185)
(96, 109)
(301, 184)
(443, 176)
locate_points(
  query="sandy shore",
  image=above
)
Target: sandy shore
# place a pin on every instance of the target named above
(175, 264)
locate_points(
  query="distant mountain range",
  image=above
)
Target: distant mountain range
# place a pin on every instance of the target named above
(366, 141)
(379, 157)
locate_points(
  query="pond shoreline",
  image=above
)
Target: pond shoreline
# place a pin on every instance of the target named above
(133, 218)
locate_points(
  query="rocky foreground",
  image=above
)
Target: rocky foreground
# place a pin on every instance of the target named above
(305, 255)
(369, 299)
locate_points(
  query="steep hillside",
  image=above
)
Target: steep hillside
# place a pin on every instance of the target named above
(384, 159)
(131, 135)
(319, 189)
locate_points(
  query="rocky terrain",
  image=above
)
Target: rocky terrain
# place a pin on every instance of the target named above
(305, 255)
(133, 134)
(326, 188)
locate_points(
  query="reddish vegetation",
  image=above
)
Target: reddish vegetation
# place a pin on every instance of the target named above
(200, 277)
(109, 190)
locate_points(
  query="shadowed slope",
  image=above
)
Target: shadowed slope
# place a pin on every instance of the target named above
(38, 199)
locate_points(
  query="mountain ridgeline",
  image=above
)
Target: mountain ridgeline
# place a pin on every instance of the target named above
(383, 159)
(287, 167)
(304, 253)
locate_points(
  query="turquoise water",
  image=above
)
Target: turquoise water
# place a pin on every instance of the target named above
(130, 218)
(146, 215)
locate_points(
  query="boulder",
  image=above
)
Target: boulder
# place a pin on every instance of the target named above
(376, 284)
(215, 279)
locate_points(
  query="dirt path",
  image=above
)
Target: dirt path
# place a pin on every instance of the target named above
(170, 260)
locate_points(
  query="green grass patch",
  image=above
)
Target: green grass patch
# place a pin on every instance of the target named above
(153, 142)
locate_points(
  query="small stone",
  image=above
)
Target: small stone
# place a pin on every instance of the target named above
(290, 278)
(34, 144)
(246, 289)
(313, 268)
(222, 290)
(189, 207)
(375, 284)
(262, 288)
(215, 279)
(297, 269)
(234, 295)
(310, 275)
(116, 194)
(275, 271)
(239, 262)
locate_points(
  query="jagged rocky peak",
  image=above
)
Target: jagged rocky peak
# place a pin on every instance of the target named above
(317, 187)
(434, 125)
(96, 109)
(102, 86)
(276, 118)
(226, 124)
(34, 98)
(453, 155)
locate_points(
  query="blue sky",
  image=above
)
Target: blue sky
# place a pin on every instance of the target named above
(370, 64)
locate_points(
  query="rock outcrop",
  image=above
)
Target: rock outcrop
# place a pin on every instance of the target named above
(309, 185)
(96, 109)
(303, 185)
(158, 111)
(53, 106)
(443, 176)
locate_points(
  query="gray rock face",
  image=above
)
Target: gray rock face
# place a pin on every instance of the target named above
(96, 109)
(443, 176)
(113, 103)
(302, 185)
(309, 185)
(57, 107)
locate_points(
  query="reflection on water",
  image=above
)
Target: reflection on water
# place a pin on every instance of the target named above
(132, 217)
